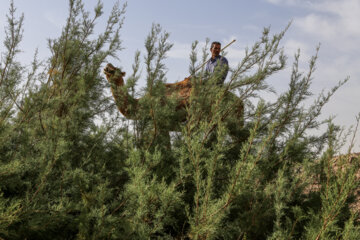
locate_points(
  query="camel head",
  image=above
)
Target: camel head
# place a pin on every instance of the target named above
(113, 72)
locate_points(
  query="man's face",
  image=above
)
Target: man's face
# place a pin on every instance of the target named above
(215, 50)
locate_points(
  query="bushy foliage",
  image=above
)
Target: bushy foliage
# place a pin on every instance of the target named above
(225, 174)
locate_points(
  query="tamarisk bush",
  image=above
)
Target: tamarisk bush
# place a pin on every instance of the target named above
(225, 174)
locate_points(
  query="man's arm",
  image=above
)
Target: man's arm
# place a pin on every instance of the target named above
(224, 66)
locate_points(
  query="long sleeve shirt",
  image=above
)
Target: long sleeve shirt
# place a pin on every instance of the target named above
(217, 64)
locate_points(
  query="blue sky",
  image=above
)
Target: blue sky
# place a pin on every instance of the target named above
(333, 23)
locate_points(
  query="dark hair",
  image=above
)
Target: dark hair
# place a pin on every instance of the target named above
(213, 43)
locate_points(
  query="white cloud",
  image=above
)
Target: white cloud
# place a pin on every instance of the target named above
(291, 47)
(317, 25)
(347, 12)
(336, 22)
(182, 50)
(328, 17)
(287, 2)
(179, 51)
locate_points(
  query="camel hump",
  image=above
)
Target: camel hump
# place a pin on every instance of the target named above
(53, 71)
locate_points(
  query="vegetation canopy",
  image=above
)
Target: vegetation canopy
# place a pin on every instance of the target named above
(72, 167)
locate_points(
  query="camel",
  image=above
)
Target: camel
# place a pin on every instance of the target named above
(182, 90)
(128, 105)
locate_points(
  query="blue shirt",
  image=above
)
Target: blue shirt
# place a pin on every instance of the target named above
(212, 64)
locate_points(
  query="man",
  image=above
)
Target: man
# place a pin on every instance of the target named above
(217, 63)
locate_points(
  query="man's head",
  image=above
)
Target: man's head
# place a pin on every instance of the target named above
(215, 49)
